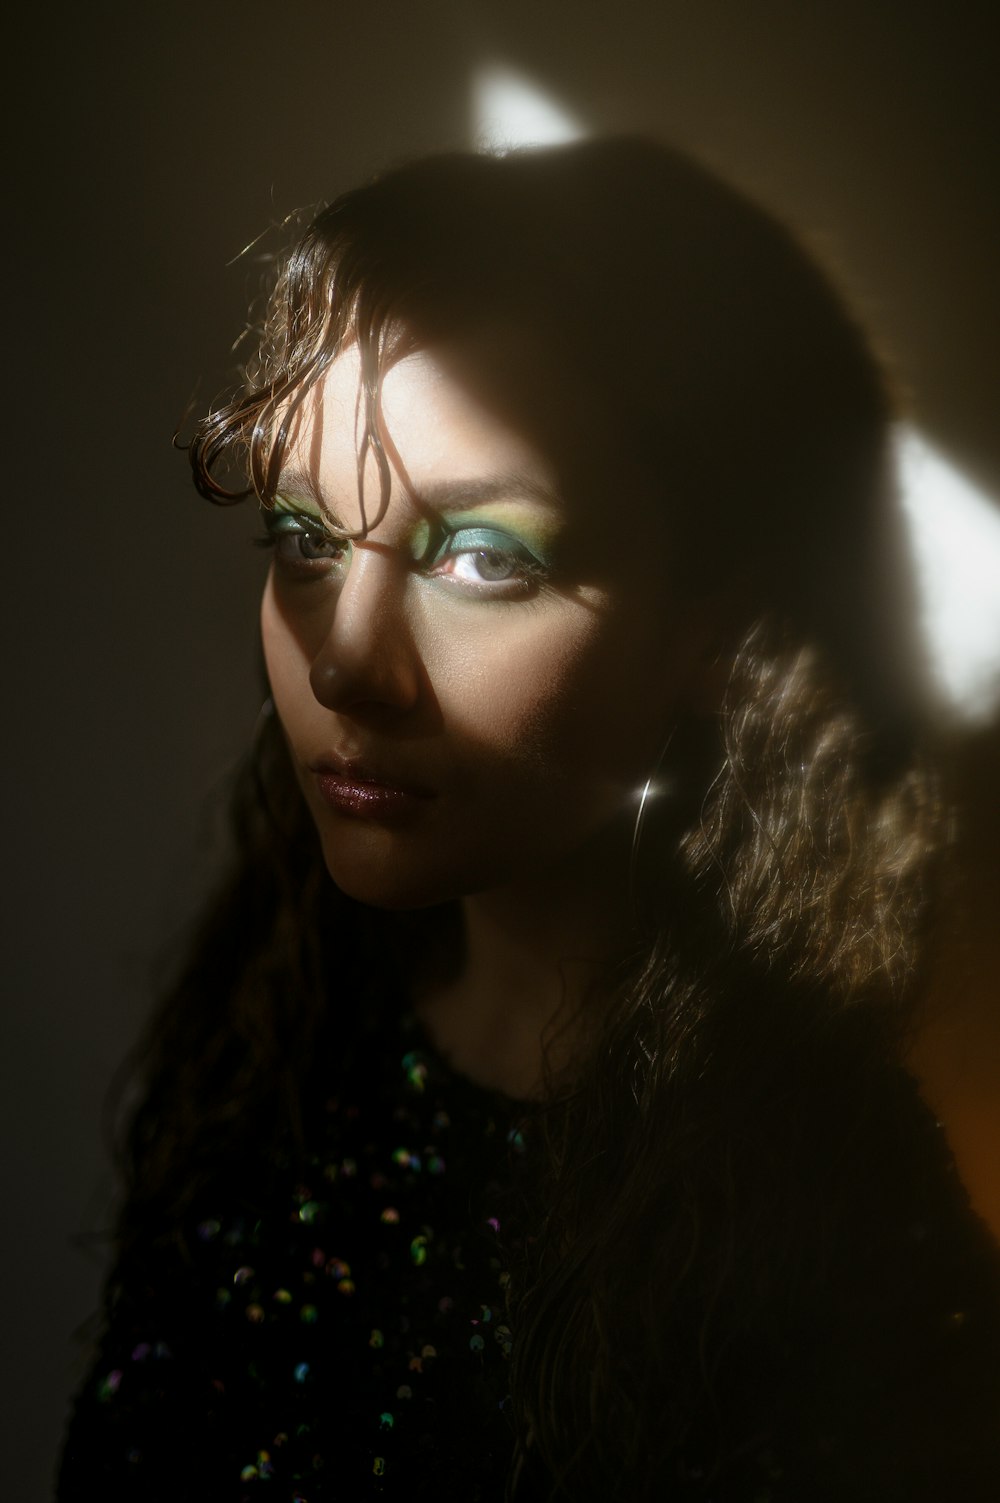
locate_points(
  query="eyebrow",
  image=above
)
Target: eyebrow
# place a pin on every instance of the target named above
(293, 482)
(441, 495)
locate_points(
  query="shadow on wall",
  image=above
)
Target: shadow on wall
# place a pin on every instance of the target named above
(952, 526)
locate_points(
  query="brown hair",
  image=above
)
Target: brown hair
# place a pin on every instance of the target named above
(781, 896)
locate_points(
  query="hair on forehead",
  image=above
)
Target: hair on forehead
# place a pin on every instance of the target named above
(728, 368)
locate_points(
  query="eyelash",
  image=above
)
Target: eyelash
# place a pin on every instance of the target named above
(529, 577)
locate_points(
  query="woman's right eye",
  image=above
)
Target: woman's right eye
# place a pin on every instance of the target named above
(301, 543)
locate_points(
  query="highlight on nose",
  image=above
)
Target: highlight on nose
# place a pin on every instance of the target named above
(323, 679)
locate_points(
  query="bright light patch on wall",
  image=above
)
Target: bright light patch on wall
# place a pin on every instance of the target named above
(955, 539)
(509, 111)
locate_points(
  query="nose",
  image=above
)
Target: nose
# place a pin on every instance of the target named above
(368, 659)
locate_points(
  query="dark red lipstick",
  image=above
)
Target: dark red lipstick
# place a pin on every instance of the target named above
(354, 789)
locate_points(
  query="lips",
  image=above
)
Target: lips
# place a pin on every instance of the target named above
(358, 789)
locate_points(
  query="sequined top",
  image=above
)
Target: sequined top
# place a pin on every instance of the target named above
(343, 1337)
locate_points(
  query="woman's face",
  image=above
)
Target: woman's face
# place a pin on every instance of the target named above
(479, 687)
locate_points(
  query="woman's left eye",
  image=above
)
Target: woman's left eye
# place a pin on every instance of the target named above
(487, 562)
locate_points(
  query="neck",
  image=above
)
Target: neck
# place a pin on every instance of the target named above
(533, 953)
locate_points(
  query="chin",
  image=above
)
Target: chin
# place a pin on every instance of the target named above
(385, 871)
(384, 880)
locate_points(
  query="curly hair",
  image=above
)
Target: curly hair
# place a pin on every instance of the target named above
(782, 893)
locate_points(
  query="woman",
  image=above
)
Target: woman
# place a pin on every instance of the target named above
(540, 1129)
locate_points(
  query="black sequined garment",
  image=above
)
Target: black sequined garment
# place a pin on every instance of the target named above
(339, 1334)
(342, 1338)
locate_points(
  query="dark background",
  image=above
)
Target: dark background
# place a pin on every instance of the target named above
(147, 144)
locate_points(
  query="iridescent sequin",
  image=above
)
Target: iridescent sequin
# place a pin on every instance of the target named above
(313, 1211)
(416, 1070)
(109, 1385)
(344, 1353)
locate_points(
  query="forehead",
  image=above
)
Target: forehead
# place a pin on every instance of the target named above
(434, 421)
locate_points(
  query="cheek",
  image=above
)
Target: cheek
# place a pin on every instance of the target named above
(506, 691)
(551, 696)
(285, 660)
(611, 704)
(554, 695)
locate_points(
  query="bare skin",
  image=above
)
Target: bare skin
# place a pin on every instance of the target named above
(509, 658)
(532, 953)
